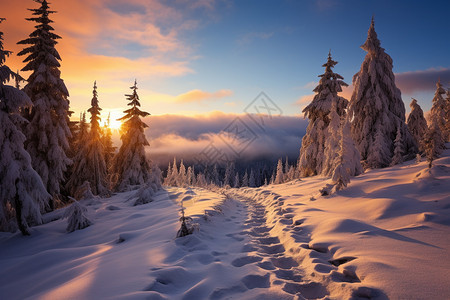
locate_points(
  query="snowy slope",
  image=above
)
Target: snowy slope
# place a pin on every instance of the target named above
(388, 233)
(385, 236)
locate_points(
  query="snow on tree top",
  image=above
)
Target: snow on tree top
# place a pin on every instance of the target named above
(372, 43)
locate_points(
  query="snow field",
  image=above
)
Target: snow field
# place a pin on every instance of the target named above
(384, 236)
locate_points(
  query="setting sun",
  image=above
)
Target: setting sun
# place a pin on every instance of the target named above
(114, 123)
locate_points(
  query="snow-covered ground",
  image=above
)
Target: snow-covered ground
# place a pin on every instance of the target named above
(387, 235)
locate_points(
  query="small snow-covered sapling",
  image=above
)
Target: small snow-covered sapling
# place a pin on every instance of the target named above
(77, 219)
(185, 228)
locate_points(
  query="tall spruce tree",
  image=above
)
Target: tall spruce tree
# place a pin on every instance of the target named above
(313, 143)
(433, 143)
(236, 182)
(108, 148)
(245, 179)
(438, 110)
(332, 142)
(447, 116)
(89, 163)
(131, 164)
(376, 108)
(22, 194)
(348, 162)
(398, 149)
(417, 124)
(279, 177)
(48, 129)
(252, 180)
(229, 172)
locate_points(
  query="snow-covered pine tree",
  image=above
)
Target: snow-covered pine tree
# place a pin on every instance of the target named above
(48, 129)
(251, 180)
(349, 159)
(215, 176)
(236, 182)
(89, 163)
(76, 217)
(433, 142)
(182, 175)
(167, 180)
(189, 176)
(79, 138)
(131, 163)
(437, 112)
(22, 194)
(279, 177)
(398, 150)
(245, 179)
(155, 177)
(376, 108)
(272, 178)
(289, 176)
(313, 143)
(447, 116)
(417, 124)
(201, 180)
(229, 171)
(174, 175)
(83, 131)
(108, 148)
(286, 166)
(332, 142)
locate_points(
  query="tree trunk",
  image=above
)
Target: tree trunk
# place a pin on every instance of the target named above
(22, 227)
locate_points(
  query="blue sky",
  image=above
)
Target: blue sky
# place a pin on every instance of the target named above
(279, 46)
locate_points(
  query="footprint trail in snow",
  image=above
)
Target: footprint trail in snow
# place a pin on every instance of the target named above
(233, 256)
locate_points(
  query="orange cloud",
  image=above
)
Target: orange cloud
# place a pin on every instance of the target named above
(111, 41)
(200, 96)
(303, 101)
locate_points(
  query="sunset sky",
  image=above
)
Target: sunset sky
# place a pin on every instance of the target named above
(200, 56)
(197, 57)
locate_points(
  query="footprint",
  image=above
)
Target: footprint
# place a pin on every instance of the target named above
(284, 262)
(266, 265)
(170, 280)
(272, 249)
(288, 274)
(340, 261)
(242, 261)
(220, 293)
(322, 268)
(261, 229)
(299, 222)
(285, 221)
(233, 236)
(248, 248)
(269, 240)
(256, 281)
(319, 247)
(365, 293)
(312, 290)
